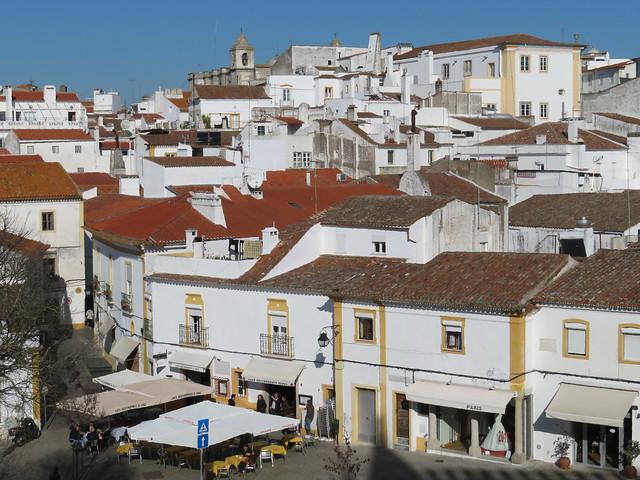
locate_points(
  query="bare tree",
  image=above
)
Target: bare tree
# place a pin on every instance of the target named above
(30, 301)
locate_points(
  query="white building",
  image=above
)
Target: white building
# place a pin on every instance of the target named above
(584, 355)
(106, 102)
(40, 109)
(227, 106)
(518, 74)
(44, 202)
(578, 224)
(75, 150)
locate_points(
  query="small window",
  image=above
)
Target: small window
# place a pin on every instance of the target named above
(468, 68)
(576, 338)
(49, 264)
(491, 69)
(629, 343)
(30, 149)
(364, 323)
(301, 159)
(245, 59)
(524, 63)
(55, 149)
(379, 247)
(78, 148)
(260, 130)
(491, 106)
(222, 387)
(544, 63)
(328, 92)
(544, 110)
(445, 71)
(71, 116)
(453, 335)
(430, 157)
(286, 94)
(47, 221)
(525, 109)
(386, 113)
(390, 157)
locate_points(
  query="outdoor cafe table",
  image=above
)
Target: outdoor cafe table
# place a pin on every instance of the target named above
(234, 460)
(123, 449)
(217, 465)
(291, 439)
(275, 449)
(258, 444)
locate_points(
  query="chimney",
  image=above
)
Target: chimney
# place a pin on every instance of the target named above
(389, 63)
(352, 113)
(270, 238)
(209, 205)
(307, 178)
(190, 234)
(8, 94)
(541, 139)
(573, 125)
(49, 94)
(413, 151)
(405, 88)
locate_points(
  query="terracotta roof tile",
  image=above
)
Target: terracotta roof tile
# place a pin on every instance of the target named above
(230, 92)
(613, 66)
(608, 211)
(290, 120)
(104, 182)
(181, 103)
(513, 39)
(4, 151)
(466, 281)
(52, 134)
(20, 244)
(608, 280)
(111, 144)
(494, 123)
(177, 162)
(620, 117)
(368, 115)
(20, 158)
(36, 181)
(38, 96)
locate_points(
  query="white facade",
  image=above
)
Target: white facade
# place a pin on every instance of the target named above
(106, 102)
(229, 113)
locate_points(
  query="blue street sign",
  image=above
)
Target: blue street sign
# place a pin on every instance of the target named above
(203, 440)
(203, 426)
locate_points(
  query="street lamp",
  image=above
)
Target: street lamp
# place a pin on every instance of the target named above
(323, 339)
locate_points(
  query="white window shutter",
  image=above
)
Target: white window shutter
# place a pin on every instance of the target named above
(576, 341)
(631, 347)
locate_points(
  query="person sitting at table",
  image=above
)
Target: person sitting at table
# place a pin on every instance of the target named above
(276, 405)
(286, 406)
(232, 400)
(76, 438)
(261, 405)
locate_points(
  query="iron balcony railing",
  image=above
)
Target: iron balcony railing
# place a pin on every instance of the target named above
(194, 335)
(277, 345)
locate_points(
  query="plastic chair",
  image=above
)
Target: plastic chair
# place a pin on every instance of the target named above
(266, 456)
(309, 441)
(135, 452)
(299, 447)
(224, 472)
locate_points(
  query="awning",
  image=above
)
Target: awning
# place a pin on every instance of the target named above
(164, 390)
(104, 404)
(196, 361)
(273, 372)
(122, 378)
(596, 405)
(464, 397)
(123, 348)
(106, 324)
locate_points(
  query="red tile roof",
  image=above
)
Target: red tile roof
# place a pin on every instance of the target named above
(111, 145)
(36, 181)
(556, 133)
(178, 162)
(110, 205)
(20, 158)
(460, 281)
(181, 103)
(613, 66)
(608, 280)
(52, 134)
(500, 40)
(608, 211)
(38, 96)
(368, 115)
(103, 181)
(20, 244)
(290, 120)
(494, 123)
(620, 117)
(230, 92)
(4, 151)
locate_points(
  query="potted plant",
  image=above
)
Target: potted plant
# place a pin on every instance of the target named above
(561, 447)
(631, 452)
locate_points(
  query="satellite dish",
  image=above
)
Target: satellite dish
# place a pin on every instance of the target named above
(125, 124)
(254, 181)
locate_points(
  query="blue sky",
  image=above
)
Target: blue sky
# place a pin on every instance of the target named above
(136, 46)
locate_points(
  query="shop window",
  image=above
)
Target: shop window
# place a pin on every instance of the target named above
(222, 387)
(241, 384)
(629, 343)
(453, 335)
(575, 339)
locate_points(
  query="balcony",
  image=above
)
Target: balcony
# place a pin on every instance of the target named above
(194, 335)
(276, 345)
(126, 302)
(148, 328)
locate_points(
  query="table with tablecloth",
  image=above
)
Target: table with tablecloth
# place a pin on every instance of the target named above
(123, 448)
(275, 449)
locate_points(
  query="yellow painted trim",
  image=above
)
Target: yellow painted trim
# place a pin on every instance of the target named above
(621, 358)
(466, 84)
(193, 299)
(35, 381)
(383, 374)
(355, 416)
(234, 383)
(152, 150)
(338, 365)
(517, 338)
(326, 392)
(508, 81)
(565, 339)
(577, 79)
(443, 335)
(364, 312)
(421, 444)
(277, 305)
